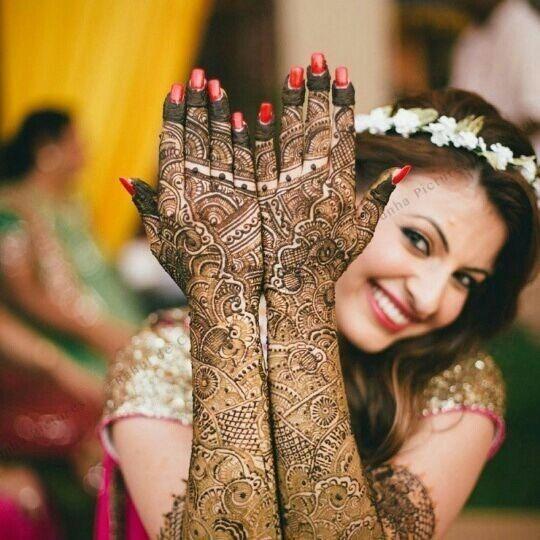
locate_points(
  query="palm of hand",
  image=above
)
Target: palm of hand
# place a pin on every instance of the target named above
(312, 228)
(204, 223)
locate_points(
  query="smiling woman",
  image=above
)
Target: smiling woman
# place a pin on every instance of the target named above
(404, 320)
(464, 242)
(438, 255)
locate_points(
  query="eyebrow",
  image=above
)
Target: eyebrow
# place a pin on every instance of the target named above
(438, 229)
(446, 246)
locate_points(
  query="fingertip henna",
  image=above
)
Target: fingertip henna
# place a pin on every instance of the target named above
(400, 174)
(382, 189)
(126, 182)
(219, 102)
(264, 129)
(240, 133)
(318, 76)
(197, 79)
(197, 89)
(318, 63)
(342, 89)
(144, 197)
(214, 90)
(291, 96)
(174, 104)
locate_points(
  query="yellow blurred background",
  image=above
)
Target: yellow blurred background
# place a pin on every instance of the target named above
(110, 63)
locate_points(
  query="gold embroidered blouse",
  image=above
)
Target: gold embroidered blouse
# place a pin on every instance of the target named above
(152, 378)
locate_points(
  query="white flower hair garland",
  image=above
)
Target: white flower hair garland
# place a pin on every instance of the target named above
(446, 131)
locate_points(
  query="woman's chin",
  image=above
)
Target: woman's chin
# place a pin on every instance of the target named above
(367, 337)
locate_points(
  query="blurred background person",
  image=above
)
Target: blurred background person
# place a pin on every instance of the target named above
(69, 311)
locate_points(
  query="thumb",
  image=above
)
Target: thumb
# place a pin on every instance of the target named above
(372, 205)
(145, 200)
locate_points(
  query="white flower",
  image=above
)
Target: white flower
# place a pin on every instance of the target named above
(527, 167)
(377, 122)
(406, 122)
(502, 155)
(482, 144)
(467, 139)
(442, 131)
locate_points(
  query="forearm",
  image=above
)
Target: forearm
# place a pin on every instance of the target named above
(320, 476)
(152, 452)
(231, 481)
(22, 347)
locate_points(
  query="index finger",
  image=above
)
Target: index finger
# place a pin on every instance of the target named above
(171, 151)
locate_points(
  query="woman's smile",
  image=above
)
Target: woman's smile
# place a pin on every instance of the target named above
(387, 310)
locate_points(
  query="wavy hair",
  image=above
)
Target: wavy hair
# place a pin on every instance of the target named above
(384, 389)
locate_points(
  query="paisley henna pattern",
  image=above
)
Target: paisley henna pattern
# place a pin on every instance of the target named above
(403, 503)
(206, 233)
(311, 232)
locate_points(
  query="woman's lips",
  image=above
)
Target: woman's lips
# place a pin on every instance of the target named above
(387, 312)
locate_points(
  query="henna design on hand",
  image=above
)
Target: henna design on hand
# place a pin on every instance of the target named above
(204, 227)
(403, 503)
(312, 230)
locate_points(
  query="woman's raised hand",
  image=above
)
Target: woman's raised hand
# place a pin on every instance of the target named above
(311, 221)
(204, 223)
(204, 227)
(312, 229)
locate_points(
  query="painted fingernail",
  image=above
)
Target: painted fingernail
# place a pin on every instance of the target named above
(400, 174)
(126, 182)
(237, 121)
(266, 113)
(196, 80)
(318, 63)
(177, 93)
(342, 77)
(296, 77)
(214, 90)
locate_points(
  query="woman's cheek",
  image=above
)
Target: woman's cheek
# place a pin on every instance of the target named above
(451, 307)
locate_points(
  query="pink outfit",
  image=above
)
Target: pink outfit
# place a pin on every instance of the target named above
(16, 525)
(104, 526)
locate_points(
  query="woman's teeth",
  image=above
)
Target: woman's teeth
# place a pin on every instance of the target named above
(388, 307)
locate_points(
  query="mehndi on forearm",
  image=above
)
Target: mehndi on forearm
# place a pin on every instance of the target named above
(204, 227)
(311, 232)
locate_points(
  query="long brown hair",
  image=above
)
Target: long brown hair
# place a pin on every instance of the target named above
(384, 389)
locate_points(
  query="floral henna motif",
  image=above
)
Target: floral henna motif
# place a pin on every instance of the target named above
(204, 227)
(403, 503)
(312, 230)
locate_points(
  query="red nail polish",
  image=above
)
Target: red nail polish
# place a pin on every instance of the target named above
(296, 77)
(237, 121)
(342, 77)
(400, 174)
(128, 185)
(266, 113)
(197, 80)
(318, 63)
(214, 90)
(177, 93)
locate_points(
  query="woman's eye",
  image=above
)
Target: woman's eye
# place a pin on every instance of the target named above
(419, 241)
(465, 280)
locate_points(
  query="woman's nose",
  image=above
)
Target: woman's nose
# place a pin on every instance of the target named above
(426, 291)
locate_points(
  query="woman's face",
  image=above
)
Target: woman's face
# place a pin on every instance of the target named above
(438, 237)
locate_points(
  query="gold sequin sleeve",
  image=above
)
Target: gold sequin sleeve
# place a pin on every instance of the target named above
(473, 384)
(151, 377)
